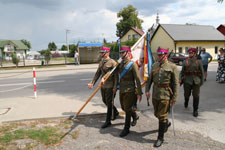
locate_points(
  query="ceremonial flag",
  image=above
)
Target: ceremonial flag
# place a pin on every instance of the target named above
(142, 56)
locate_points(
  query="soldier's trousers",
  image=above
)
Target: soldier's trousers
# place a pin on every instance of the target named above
(195, 90)
(107, 98)
(161, 109)
(127, 101)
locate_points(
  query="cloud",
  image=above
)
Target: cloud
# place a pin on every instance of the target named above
(44, 21)
(43, 4)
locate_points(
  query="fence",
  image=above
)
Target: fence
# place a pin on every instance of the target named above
(37, 62)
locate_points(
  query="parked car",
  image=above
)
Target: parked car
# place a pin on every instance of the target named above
(177, 58)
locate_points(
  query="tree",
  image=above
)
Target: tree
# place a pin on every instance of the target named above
(15, 59)
(46, 54)
(27, 43)
(104, 41)
(64, 48)
(72, 48)
(219, 1)
(52, 46)
(129, 18)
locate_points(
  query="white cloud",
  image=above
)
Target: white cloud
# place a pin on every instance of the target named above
(44, 21)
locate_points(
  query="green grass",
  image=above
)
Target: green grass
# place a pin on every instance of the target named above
(47, 135)
(68, 59)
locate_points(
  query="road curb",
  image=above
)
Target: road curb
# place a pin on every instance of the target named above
(69, 117)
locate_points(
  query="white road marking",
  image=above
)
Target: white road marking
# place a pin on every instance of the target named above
(85, 79)
(28, 83)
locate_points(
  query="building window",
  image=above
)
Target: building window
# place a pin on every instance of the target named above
(129, 37)
(216, 50)
(135, 36)
(180, 49)
(186, 50)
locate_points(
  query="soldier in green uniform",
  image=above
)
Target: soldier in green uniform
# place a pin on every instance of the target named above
(164, 75)
(130, 88)
(108, 89)
(192, 75)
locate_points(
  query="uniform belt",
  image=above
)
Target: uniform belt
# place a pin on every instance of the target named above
(164, 85)
(127, 79)
(192, 73)
(161, 85)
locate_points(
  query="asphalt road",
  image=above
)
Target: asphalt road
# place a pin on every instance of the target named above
(73, 83)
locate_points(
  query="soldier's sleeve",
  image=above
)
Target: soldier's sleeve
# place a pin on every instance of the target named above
(116, 75)
(97, 75)
(149, 82)
(175, 83)
(202, 72)
(137, 79)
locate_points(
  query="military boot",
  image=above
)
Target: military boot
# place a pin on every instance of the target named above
(160, 138)
(126, 128)
(135, 117)
(195, 106)
(186, 102)
(108, 118)
(168, 124)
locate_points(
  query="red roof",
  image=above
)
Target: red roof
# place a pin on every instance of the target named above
(139, 31)
(221, 28)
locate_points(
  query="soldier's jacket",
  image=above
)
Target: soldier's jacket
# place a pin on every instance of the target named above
(192, 71)
(131, 80)
(105, 66)
(165, 79)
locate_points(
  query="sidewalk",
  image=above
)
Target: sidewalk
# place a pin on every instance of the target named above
(44, 106)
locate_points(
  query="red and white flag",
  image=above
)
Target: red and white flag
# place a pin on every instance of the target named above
(139, 55)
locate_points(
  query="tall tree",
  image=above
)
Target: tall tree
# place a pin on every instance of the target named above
(52, 46)
(64, 48)
(27, 43)
(219, 1)
(129, 18)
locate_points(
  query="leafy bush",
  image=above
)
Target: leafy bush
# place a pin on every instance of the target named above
(15, 60)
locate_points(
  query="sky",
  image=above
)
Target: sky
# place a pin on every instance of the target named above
(45, 21)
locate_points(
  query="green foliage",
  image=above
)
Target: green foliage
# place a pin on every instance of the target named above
(72, 47)
(104, 41)
(114, 47)
(46, 54)
(130, 42)
(15, 59)
(27, 43)
(63, 48)
(52, 46)
(129, 18)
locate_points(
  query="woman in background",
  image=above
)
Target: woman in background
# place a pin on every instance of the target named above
(220, 77)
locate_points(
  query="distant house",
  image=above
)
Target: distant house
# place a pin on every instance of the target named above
(89, 52)
(7, 47)
(221, 28)
(133, 33)
(33, 55)
(180, 38)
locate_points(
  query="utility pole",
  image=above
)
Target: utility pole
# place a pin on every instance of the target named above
(67, 43)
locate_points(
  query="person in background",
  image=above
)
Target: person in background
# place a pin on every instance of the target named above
(220, 76)
(206, 59)
(76, 57)
(108, 89)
